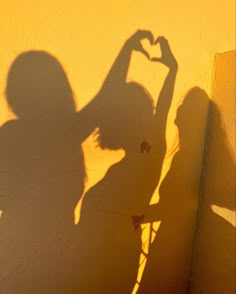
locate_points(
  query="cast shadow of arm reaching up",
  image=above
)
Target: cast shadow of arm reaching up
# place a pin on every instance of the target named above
(92, 115)
(159, 127)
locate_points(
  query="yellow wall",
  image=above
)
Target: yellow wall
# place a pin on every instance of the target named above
(85, 36)
(214, 265)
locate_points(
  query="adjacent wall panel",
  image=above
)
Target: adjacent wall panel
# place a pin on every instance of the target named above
(214, 266)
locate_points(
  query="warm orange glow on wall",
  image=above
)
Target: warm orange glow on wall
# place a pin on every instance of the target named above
(86, 36)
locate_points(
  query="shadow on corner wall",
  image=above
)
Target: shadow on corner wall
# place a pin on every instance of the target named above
(215, 243)
(169, 259)
(170, 264)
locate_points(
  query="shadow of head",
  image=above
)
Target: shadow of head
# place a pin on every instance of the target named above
(126, 118)
(192, 112)
(38, 88)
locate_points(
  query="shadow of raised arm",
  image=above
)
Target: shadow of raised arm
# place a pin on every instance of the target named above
(88, 117)
(166, 94)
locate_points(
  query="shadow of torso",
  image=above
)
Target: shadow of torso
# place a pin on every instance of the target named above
(41, 179)
(110, 246)
(177, 209)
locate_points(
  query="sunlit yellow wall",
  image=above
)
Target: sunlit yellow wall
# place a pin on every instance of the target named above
(86, 36)
(214, 265)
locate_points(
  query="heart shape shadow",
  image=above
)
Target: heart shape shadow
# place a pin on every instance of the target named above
(152, 50)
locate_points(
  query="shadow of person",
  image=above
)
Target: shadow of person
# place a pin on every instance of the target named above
(215, 243)
(42, 176)
(110, 246)
(169, 260)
